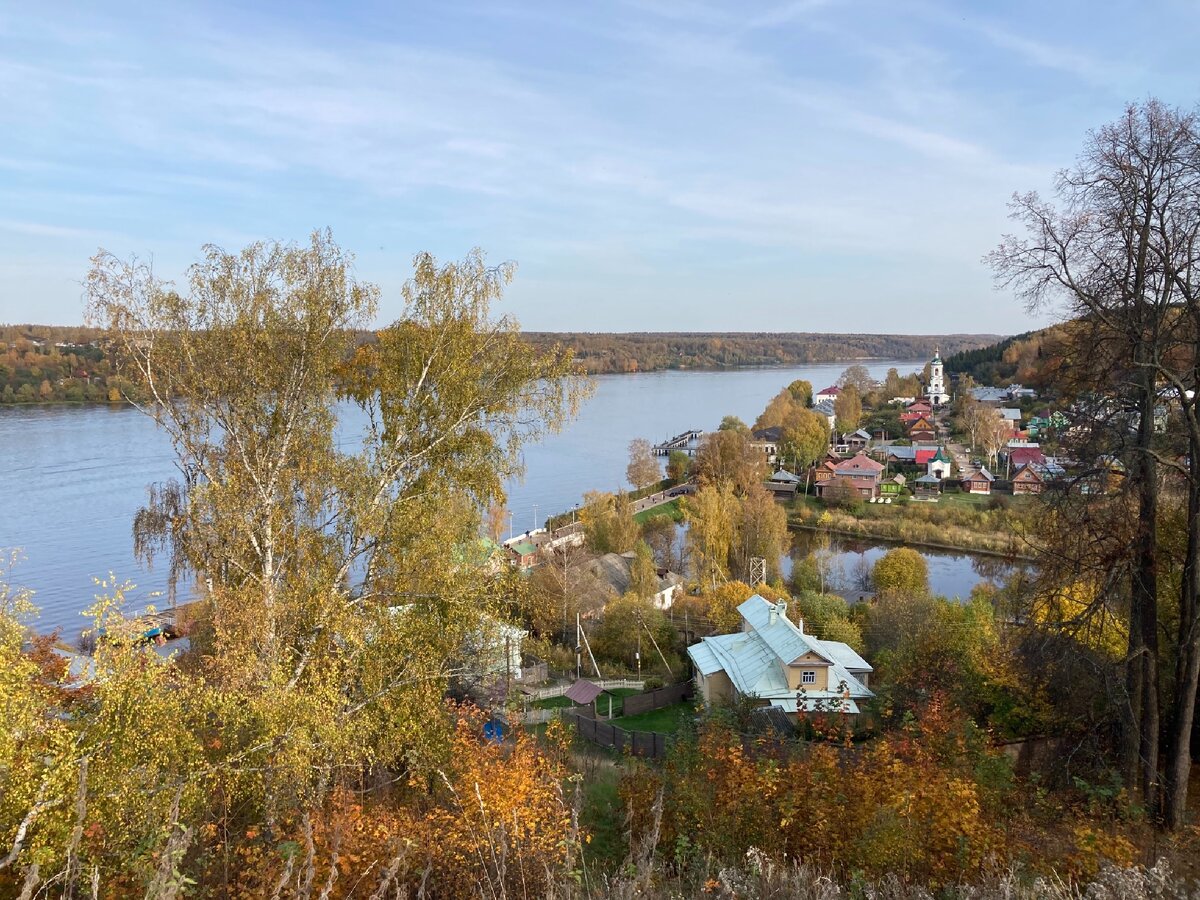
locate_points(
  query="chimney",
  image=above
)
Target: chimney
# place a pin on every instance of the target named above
(773, 615)
(800, 625)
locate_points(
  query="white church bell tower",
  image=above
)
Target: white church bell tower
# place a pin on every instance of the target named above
(936, 390)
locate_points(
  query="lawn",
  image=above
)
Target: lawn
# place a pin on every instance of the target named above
(551, 703)
(665, 721)
(670, 508)
(618, 697)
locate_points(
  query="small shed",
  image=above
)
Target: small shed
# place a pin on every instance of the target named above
(783, 482)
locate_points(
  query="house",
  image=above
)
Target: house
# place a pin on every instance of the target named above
(522, 554)
(989, 394)
(892, 487)
(905, 454)
(767, 440)
(978, 482)
(773, 662)
(825, 408)
(783, 482)
(828, 394)
(1023, 456)
(922, 430)
(1028, 480)
(862, 472)
(923, 455)
(824, 470)
(938, 465)
(857, 440)
(927, 487)
(613, 572)
(495, 649)
(1011, 417)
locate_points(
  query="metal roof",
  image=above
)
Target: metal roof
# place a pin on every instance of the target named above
(755, 660)
(583, 692)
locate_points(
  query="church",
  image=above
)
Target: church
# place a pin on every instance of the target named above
(935, 391)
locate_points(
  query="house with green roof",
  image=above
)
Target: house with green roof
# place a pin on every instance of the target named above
(774, 662)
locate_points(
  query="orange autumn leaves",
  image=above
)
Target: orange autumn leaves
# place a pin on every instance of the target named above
(493, 815)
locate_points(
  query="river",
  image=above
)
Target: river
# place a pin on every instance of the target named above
(72, 477)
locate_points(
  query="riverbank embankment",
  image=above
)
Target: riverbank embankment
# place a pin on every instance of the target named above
(998, 530)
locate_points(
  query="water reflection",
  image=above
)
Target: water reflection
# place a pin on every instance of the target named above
(843, 565)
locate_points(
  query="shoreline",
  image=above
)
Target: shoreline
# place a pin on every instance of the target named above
(955, 548)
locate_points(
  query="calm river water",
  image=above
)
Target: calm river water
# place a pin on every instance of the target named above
(72, 477)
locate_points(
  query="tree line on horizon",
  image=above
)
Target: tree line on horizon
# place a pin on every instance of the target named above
(604, 352)
(73, 363)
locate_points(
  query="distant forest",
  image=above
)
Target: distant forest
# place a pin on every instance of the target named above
(48, 363)
(999, 364)
(649, 351)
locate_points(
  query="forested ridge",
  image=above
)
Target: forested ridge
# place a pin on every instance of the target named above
(50, 363)
(648, 351)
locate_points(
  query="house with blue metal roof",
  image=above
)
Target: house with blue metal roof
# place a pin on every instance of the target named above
(772, 660)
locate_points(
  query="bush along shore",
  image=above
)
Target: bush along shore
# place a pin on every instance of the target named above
(950, 526)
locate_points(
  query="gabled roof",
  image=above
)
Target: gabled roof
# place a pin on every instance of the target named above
(1007, 412)
(783, 476)
(858, 464)
(583, 691)
(982, 473)
(940, 456)
(989, 394)
(825, 408)
(924, 455)
(1029, 471)
(1020, 456)
(774, 433)
(755, 659)
(928, 479)
(833, 390)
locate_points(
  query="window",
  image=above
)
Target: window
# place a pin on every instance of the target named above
(809, 677)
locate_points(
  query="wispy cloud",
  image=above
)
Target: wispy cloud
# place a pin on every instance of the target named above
(42, 229)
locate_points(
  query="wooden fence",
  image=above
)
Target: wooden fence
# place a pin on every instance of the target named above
(638, 743)
(560, 689)
(664, 696)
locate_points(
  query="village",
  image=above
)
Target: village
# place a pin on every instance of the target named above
(975, 447)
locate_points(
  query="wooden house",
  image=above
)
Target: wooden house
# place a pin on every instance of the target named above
(1028, 480)
(978, 482)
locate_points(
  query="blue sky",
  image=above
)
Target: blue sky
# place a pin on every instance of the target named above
(650, 165)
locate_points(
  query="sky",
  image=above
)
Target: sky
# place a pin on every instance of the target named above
(650, 165)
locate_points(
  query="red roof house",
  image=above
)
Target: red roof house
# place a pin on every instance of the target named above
(859, 470)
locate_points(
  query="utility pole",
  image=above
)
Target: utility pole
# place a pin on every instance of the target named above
(534, 518)
(578, 646)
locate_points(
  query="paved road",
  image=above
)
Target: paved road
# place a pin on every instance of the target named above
(961, 459)
(662, 497)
